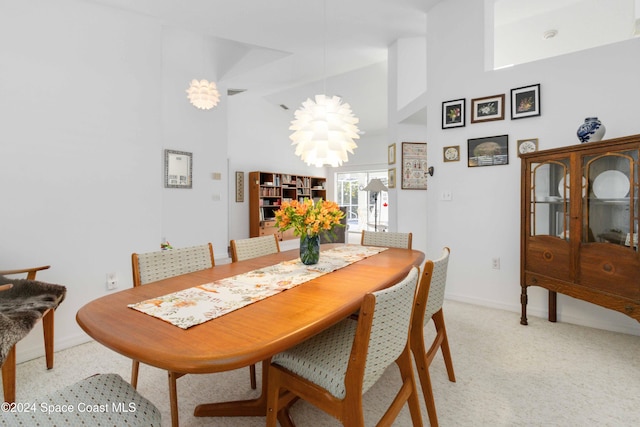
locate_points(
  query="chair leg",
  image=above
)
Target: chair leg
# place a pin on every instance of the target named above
(9, 376)
(47, 327)
(427, 391)
(438, 321)
(413, 402)
(407, 394)
(422, 365)
(135, 366)
(284, 418)
(252, 376)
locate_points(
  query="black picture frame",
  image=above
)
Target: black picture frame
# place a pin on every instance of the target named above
(488, 151)
(525, 102)
(454, 113)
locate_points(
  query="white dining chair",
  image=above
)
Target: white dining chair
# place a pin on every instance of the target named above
(333, 369)
(386, 239)
(253, 247)
(428, 306)
(153, 266)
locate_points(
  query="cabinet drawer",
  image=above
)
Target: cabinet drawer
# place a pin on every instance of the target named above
(610, 268)
(550, 256)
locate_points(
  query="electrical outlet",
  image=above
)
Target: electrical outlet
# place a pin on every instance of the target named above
(495, 263)
(112, 281)
(446, 195)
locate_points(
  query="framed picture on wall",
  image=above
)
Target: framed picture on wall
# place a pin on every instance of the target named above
(487, 109)
(414, 166)
(177, 169)
(391, 183)
(451, 153)
(525, 102)
(527, 146)
(239, 187)
(489, 151)
(453, 113)
(391, 153)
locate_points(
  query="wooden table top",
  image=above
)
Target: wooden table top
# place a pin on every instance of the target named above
(245, 336)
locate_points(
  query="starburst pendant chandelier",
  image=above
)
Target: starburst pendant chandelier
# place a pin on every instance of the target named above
(203, 94)
(324, 131)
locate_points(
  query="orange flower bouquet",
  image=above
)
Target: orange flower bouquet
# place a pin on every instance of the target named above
(308, 219)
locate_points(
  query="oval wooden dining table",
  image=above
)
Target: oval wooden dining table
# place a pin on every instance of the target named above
(242, 337)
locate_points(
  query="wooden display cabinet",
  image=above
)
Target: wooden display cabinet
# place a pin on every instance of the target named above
(579, 230)
(267, 191)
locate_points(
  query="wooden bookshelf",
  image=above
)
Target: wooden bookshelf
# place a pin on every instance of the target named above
(267, 191)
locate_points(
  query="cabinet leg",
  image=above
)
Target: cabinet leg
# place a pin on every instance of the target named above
(523, 302)
(553, 299)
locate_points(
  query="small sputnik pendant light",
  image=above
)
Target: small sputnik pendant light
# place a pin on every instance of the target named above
(324, 131)
(203, 94)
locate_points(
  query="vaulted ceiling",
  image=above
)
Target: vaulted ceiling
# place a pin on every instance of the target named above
(288, 50)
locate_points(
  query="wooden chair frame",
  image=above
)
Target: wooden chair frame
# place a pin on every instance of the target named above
(135, 365)
(348, 410)
(9, 365)
(423, 356)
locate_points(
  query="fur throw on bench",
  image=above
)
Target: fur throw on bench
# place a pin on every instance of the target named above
(22, 306)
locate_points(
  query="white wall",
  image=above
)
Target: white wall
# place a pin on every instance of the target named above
(192, 217)
(410, 206)
(483, 219)
(412, 69)
(90, 97)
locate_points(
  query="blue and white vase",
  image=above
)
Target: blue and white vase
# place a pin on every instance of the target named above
(591, 130)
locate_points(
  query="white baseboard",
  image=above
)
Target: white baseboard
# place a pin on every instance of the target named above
(36, 350)
(594, 321)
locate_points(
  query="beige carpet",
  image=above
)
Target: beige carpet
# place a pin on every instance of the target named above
(543, 374)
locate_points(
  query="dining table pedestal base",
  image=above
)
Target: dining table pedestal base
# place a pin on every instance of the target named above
(249, 408)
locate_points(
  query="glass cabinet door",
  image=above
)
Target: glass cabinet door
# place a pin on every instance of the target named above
(610, 209)
(550, 199)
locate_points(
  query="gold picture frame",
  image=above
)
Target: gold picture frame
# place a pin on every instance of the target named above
(451, 153)
(391, 153)
(391, 182)
(239, 187)
(527, 146)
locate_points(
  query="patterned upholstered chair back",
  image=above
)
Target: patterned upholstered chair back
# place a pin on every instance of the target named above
(254, 247)
(153, 266)
(438, 282)
(390, 327)
(334, 368)
(386, 239)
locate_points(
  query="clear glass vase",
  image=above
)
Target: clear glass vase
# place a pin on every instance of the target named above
(309, 249)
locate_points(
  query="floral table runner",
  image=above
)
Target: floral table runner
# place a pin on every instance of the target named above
(199, 304)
